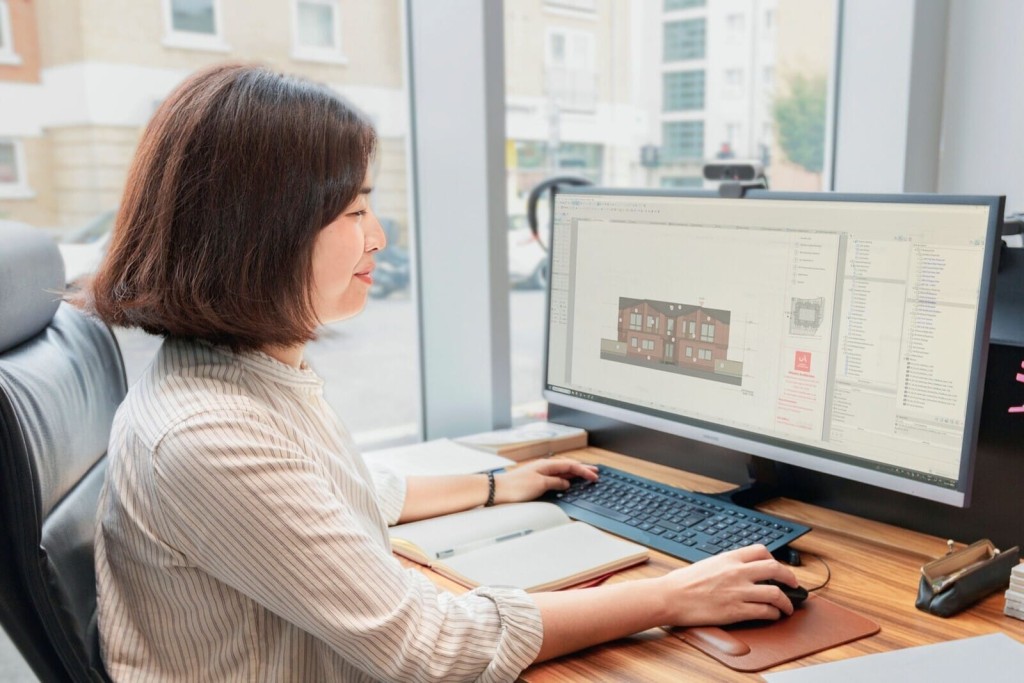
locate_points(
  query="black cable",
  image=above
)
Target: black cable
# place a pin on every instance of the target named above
(828, 571)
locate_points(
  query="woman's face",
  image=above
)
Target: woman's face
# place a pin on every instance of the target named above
(343, 260)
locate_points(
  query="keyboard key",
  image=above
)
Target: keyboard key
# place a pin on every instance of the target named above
(601, 510)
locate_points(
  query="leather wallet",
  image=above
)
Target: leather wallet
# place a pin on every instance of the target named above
(963, 577)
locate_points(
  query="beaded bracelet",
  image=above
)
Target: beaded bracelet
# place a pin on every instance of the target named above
(490, 490)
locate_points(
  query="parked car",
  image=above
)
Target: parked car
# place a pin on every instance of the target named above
(527, 259)
(83, 249)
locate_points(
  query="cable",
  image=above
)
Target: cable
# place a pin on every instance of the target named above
(828, 571)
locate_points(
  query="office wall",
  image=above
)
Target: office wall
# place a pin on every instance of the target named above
(983, 110)
(929, 99)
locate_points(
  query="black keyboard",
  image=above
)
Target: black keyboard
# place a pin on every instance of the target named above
(690, 526)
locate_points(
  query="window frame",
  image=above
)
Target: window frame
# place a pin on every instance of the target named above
(189, 40)
(8, 54)
(324, 55)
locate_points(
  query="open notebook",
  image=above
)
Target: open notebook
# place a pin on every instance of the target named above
(533, 546)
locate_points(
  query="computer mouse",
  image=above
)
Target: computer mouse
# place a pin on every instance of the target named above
(796, 595)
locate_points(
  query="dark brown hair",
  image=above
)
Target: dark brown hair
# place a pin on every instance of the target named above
(238, 171)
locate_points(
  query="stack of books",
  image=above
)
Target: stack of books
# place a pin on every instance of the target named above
(1015, 595)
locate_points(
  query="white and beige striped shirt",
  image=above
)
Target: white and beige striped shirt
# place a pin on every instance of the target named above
(243, 538)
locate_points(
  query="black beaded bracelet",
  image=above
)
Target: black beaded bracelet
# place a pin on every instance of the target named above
(490, 490)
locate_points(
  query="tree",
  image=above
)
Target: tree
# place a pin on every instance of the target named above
(800, 121)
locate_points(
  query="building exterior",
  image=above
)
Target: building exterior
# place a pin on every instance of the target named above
(86, 76)
(572, 105)
(678, 337)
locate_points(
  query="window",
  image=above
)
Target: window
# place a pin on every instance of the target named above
(672, 5)
(570, 79)
(652, 323)
(13, 183)
(665, 124)
(632, 342)
(7, 53)
(634, 321)
(689, 352)
(733, 132)
(194, 25)
(670, 326)
(317, 31)
(648, 345)
(704, 354)
(693, 327)
(683, 140)
(683, 90)
(684, 40)
(707, 332)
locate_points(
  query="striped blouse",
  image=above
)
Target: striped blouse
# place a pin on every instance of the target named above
(243, 538)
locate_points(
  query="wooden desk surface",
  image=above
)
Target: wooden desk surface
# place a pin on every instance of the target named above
(875, 571)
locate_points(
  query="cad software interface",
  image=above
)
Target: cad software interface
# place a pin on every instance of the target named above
(843, 330)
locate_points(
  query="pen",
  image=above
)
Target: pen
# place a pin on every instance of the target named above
(473, 545)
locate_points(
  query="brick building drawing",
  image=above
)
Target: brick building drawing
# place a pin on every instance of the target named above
(681, 338)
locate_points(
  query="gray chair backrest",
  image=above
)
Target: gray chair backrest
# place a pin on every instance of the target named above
(61, 380)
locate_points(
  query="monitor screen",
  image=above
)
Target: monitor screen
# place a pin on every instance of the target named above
(841, 333)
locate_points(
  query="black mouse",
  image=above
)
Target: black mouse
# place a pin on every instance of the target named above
(796, 595)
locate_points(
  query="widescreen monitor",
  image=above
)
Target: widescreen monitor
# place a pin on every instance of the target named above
(841, 333)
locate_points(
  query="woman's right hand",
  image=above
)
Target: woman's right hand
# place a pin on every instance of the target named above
(723, 589)
(719, 590)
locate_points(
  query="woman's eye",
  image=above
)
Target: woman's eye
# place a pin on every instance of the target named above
(358, 214)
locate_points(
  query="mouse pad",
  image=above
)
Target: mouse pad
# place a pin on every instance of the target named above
(752, 646)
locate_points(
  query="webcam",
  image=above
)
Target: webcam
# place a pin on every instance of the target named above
(733, 169)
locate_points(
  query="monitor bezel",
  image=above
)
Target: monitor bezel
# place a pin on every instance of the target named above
(792, 453)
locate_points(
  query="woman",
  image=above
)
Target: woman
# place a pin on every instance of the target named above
(241, 534)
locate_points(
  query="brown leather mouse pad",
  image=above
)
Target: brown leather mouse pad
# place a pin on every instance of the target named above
(753, 646)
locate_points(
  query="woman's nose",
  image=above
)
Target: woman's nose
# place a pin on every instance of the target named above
(375, 237)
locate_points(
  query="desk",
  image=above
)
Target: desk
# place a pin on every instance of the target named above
(875, 571)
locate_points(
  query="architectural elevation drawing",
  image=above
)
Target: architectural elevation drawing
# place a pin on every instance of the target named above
(673, 337)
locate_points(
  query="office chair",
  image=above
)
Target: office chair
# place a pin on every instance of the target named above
(61, 379)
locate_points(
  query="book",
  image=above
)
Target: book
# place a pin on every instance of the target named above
(533, 440)
(437, 457)
(533, 546)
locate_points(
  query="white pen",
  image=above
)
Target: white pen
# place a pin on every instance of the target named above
(473, 545)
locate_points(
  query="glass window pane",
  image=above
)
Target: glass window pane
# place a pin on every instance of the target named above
(732, 80)
(684, 39)
(368, 361)
(671, 5)
(683, 140)
(193, 16)
(8, 163)
(316, 25)
(683, 90)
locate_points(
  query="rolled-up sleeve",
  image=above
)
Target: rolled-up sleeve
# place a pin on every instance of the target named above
(245, 505)
(391, 489)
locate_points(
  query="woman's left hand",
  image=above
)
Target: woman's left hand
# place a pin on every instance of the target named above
(532, 479)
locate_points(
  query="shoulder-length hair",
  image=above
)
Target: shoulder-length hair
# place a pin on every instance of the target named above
(235, 175)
